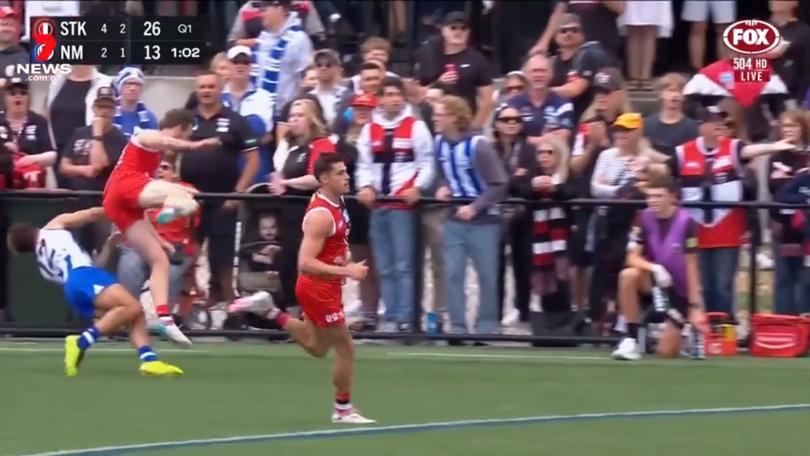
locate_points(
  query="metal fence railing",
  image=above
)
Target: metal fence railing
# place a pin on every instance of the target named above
(28, 198)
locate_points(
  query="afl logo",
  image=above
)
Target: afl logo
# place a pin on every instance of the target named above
(44, 40)
(751, 37)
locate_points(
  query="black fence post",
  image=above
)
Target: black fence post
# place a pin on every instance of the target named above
(418, 276)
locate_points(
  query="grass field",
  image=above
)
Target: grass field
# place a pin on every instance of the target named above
(276, 393)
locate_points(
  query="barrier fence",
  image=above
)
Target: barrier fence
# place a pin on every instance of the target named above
(39, 310)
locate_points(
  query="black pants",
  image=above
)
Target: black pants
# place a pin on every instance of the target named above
(518, 235)
(609, 257)
(290, 219)
(218, 225)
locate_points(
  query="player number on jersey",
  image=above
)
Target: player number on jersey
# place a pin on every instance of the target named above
(333, 317)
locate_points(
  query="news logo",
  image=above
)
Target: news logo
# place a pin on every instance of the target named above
(750, 41)
(44, 48)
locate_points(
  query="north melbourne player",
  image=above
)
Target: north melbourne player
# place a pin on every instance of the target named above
(323, 264)
(90, 291)
(130, 190)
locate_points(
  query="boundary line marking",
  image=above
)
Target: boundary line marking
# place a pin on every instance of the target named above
(419, 427)
(30, 349)
(495, 356)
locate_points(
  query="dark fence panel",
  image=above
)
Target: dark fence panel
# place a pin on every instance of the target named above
(38, 308)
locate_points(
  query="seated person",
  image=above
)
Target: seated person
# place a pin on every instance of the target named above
(662, 257)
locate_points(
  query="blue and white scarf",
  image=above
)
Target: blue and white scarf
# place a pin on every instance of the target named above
(267, 77)
(143, 116)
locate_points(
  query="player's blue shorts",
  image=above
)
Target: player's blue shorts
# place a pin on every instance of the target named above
(82, 287)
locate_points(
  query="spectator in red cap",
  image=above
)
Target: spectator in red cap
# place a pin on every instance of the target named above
(11, 53)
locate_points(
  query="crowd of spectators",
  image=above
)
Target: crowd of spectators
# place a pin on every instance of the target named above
(561, 125)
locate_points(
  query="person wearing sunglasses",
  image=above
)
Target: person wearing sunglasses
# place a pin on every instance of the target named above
(547, 180)
(25, 134)
(329, 90)
(517, 154)
(456, 64)
(514, 84)
(576, 64)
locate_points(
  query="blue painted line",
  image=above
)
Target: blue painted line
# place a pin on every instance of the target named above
(421, 427)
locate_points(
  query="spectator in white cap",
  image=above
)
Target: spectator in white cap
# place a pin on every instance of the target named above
(131, 114)
(254, 104)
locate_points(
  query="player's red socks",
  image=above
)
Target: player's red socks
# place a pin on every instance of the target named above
(282, 318)
(343, 403)
(164, 314)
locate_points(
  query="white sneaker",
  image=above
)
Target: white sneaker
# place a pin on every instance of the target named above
(260, 303)
(173, 333)
(350, 417)
(628, 350)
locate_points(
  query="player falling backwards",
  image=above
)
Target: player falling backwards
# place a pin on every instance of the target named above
(323, 265)
(130, 190)
(90, 291)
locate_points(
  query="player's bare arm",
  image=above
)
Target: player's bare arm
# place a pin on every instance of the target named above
(159, 141)
(77, 219)
(636, 260)
(317, 227)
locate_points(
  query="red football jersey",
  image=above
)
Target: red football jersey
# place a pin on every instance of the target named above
(138, 159)
(335, 247)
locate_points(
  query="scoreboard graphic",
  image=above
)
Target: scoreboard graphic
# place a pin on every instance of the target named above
(117, 41)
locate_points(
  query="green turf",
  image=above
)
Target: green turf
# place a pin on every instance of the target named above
(241, 389)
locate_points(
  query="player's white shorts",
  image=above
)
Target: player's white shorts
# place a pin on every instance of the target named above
(722, 11)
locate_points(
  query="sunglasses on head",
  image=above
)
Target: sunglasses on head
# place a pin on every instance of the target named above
(458, 27)
(510, 119)
(514, 88)
(570, 29)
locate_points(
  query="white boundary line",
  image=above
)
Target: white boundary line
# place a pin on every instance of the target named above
(494, 356)
(30, 349)
(419, 427)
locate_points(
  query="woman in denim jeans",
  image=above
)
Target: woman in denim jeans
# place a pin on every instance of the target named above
(133, 271)
(787, 239)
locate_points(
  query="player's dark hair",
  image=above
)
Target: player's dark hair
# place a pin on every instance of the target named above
(664, 181)
(392, 81)
(324, 164)
(175, 117)
(22, 237)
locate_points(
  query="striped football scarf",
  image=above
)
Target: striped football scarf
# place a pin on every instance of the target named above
(267, 77)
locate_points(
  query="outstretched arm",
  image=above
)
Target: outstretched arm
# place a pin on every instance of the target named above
(159, 141)
(77, 219)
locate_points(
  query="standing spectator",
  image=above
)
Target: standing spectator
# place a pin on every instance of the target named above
(217, 171)
(576, 64)
(594, 136)
(549, 225)
(461, 67)
(246, 26)
(670, 127)
(359, 240)
(790, 58)
(180, 233)
(395, 159)
(711, 168)
(371, 77)
(131, 114)
(697, 12)
(11, 53)
(373, 50)
(75, 166)
(284, 51)
(518, 157)
(787, 238)
(329, 89)
(599, 23)
(514, 84)
(646, 20)
(70, 101)
(469, 167)
(254, 104)
(619, 174)
(24, 132)
(221, 65)
(543, 111)
(294, 158)
(309, 79)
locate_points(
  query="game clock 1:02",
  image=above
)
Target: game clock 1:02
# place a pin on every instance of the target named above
(168, 53)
